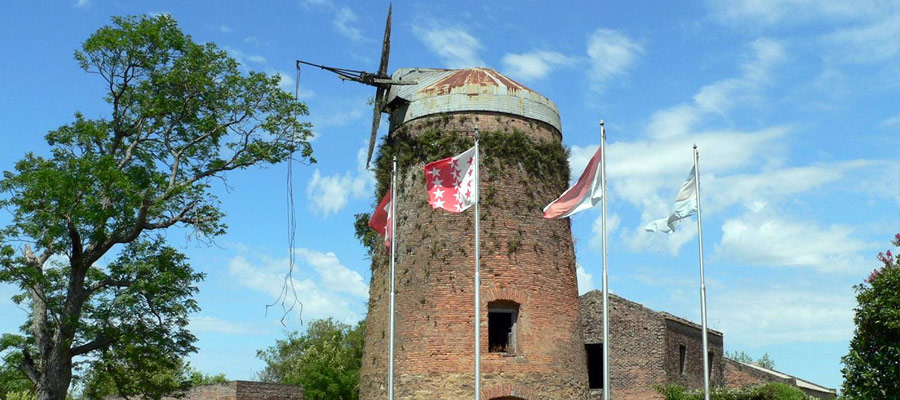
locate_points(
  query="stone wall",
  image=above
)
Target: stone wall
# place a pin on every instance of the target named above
(247, 390)
(637, 345)
(243, 390)
(520, 262)
(680, 332)
(644, 348)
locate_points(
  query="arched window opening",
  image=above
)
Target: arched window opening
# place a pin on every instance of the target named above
(503, 316)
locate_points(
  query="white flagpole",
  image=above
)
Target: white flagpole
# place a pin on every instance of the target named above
(477, 273)
(393, 268)
(605, 269)
(702, 277)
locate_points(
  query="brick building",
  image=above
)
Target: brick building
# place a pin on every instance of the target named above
(649, 348)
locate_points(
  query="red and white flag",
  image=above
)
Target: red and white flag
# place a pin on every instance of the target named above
(382, 219)
(451, 182)
(585, 194)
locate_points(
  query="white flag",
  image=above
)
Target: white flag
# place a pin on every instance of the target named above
(583, 195)
(685, 206)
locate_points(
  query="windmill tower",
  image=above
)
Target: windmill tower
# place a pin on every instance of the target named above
(531, 345)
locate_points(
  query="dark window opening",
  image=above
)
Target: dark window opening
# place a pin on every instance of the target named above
(595, 364)
(710, 356)
(682, 353)
(502, 318)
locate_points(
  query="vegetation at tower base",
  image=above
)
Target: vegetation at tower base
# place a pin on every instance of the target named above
(872, 367)
(182, 115)
(325, 360)
(545, 161)
(771, 391)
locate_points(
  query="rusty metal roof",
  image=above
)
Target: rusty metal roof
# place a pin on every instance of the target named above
(471, 89)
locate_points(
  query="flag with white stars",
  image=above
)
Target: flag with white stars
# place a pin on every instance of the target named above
(451, 182)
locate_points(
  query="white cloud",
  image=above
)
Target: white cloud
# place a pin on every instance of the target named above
(720, 97)
(456, 47)
(81, 3)
(770, 12)
(338, 112)
(333, 274)
(638, 171)
(536, 64)
(256, 42)
(344, 18)
(761, 316)
(866, 44)
(332, 291)
(242, 57)
(329, 194)
(611, 54)
(225, 29)
(895, 120)
(211, 324)
(612, 224)
(287, 83)
(759, 238)
(750, 190)
(585, 280)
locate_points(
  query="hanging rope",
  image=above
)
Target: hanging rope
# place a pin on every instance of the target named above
(288, 289)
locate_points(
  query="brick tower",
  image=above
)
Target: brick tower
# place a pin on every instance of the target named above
(530, 340)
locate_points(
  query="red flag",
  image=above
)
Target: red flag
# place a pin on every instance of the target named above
(585, 194)
(382, 219)
(451, 181)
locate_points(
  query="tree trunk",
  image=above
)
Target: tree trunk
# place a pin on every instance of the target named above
(56, 374)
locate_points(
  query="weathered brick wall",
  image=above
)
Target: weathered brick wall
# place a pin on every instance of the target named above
(637, 345)
(243, 390)
(680, 332)
(247, 390)
(435, 268)
(740, 375)
(219, 391)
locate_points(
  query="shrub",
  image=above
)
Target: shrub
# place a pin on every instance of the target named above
(771, 391)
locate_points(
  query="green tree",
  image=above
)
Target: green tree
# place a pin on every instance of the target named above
(152, 380)
(872, 367)
(182, 115)
(12, 376)
(763, 361)
(325, 360)
(198, 378)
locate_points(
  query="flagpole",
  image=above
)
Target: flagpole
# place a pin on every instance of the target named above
(393, 269)
(477, 273)
(605, 269)
(702, 277)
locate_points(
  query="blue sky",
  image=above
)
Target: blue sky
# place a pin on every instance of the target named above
(795, 106)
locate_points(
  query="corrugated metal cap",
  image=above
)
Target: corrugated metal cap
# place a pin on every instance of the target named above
(471, 89)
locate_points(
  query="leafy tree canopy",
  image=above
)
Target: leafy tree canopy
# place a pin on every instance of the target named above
(182, 115)
(763, 361)
(325, 360)
(872, 367)
(105, 378)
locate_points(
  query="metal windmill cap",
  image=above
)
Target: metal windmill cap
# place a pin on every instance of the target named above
(439, 91)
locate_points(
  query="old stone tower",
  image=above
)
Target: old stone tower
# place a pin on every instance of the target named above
(530, 336)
